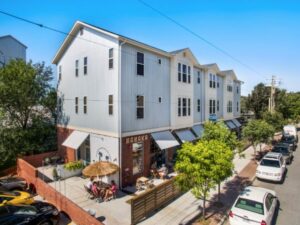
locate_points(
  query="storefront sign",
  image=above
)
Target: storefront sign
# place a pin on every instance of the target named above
(135, 139)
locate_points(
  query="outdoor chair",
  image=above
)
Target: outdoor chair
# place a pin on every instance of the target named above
(89, 193)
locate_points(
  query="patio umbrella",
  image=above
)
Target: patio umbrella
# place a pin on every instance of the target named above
(100, 169)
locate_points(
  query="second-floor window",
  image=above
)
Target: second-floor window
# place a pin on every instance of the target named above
(59, 72)
(183, 106)
(84, 104)
(229, 88)
(218, 105)
(179, 106)
(111, 58)
(198, 77)
(76, 105)
(85, 65)
(184, 78)
(76, 68)
(110, 105)
(237, 89)
(229, 107)
(212, 106)
(218, 82)
(198, 105)
(237, 106)
(189, 106)
(179, 71)
(139, 107)
(189, 74)
(140, 63)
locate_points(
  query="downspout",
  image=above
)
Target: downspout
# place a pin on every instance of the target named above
(120, 111)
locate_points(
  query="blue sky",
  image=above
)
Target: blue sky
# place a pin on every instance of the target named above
(263, 34)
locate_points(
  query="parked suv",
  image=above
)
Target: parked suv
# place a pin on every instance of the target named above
(286, 151)
(271, 167)
(291, 140)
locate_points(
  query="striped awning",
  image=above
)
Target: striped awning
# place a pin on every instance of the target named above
(198, 129)
(185, 135)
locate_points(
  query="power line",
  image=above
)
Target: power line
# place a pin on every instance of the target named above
(200, 37)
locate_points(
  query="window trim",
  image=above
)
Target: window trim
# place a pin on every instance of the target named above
(85, 65)
(76, 68)
(198, 77)
(140, 64)
(110, 105)
(110, 58)
(189, 74)
(198, 105)
(179, 114)
(184, 73)
(85, 104)
(140, 107)
(76, 105)
(189, 107)
(179, 72)
(59, 72)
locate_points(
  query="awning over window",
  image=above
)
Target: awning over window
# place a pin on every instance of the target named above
(164, 139)
(75, 139)
(198, 129)
(236, 123)
(230, 124)
(185, 135)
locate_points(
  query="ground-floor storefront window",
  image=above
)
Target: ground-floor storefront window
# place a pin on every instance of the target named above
(137, 157)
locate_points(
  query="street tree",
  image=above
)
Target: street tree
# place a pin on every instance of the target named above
(198, 167)
(28, 109)
(219, 131)
(258, 132)
(275, 119)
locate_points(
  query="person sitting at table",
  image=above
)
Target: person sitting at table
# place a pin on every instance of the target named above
(90, 183)
(108, 194)
(113, 188)
(163, 172)
(95, 189)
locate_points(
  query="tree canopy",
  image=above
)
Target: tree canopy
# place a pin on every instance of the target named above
(28, 110)
(200, 165)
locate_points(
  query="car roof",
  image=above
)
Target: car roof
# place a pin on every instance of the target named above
(272, 155)
(282, 144)
(255, 193)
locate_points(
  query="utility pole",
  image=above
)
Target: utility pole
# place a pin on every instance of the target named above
(273, 86)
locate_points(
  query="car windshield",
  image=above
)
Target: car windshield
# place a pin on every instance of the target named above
(250, 205)
(26, 210)
(271, 163)
(288, 138)
(282, 150)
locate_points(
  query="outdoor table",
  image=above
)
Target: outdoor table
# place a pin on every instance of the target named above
(142, 182)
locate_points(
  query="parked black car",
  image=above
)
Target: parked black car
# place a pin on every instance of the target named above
(12, 183)
(285, 150)
(291, 140)
(39, 213)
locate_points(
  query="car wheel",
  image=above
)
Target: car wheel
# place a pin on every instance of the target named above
(47, 222)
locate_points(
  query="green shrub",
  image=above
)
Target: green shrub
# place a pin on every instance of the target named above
(74, 165)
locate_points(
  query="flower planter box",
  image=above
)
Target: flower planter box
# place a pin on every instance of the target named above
(64, 173)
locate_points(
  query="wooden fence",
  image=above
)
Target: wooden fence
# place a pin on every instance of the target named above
(153, 199)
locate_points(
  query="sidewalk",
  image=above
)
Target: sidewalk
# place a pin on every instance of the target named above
(187, 209)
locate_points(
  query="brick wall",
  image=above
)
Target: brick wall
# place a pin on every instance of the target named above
(37, 160)
(77, 214)
(68, 153)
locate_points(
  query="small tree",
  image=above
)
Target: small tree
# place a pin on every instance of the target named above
(275, 119)
(198, 166)
(258, 132)
(218, 131)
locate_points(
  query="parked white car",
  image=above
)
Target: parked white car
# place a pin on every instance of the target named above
(271, 167)
(254, 206)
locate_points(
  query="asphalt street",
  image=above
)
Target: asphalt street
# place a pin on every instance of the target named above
(288, 193)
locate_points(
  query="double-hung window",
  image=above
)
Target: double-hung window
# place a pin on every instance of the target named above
(76, 68)
(110, 105)
(76, 105)
(218, 82)
(237, 106)
(198, 77)
(179, 72)
(189, 74)
(140, 63)
(84, 104)
(210, 80)
(111, 58)
(59, 72)
(218, 105)
(229, 106)
(229, 88)
(189, 106)
(184, 78)
(198, 105)
(139, 107)
(237, 89)
(214, 81)
(212, 106)
(184, 107)
(85, 65)
(179, 107)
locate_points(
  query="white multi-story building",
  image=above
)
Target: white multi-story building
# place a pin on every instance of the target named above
(133, 104)
(11, 48)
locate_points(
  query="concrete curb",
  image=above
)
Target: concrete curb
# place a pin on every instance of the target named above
(225, 217)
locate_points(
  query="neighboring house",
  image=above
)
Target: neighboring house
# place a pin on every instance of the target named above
(11, 48)
(133, 104)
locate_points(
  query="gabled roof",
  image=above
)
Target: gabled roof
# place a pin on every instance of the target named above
(213, 66)
(188, 51)
(230, 73)
(79, 25)
(12, 37)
